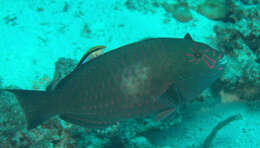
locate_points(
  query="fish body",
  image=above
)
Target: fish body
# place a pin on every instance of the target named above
(149, 77)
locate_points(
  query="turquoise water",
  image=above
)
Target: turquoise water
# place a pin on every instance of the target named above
(36, 35)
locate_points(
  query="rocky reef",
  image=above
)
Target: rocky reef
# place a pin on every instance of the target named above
(239, 39)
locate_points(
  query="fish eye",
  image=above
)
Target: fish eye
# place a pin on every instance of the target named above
(204, 56)
(198, 54)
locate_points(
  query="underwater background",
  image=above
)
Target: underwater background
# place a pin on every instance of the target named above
(42, 41)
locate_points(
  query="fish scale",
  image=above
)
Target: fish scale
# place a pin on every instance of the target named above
(151, 77)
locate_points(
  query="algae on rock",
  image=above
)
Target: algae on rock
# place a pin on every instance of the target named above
(213, 9)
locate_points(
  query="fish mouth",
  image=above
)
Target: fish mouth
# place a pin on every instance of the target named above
(223, 60)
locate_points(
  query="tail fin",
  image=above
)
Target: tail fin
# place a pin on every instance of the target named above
(38, 106)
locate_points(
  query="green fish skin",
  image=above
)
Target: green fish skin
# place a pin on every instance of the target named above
(151, 77)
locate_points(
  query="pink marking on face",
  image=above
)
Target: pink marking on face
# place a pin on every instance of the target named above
(212, 61)
(210, 66)
(192, 60)
(126, 85)
(206, 50)
(197, 61)
(192, 50)
(219, 56)
(189, 55)
(112, 102)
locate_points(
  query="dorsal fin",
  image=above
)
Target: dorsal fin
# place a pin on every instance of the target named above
(88, 53)
(187, 36)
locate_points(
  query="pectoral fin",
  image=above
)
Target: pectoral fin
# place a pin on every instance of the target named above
(164, 114)
(173, 98)
(173, 95)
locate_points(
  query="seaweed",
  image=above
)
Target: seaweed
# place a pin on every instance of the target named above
(208, 141)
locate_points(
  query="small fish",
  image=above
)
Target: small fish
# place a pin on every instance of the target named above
(151, 77)
(92, 53)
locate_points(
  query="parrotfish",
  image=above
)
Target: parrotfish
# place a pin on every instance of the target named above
(151, 77)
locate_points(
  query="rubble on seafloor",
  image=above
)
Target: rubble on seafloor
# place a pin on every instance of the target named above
(220, 10)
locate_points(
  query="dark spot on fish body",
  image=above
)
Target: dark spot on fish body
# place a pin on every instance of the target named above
(198, 55)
